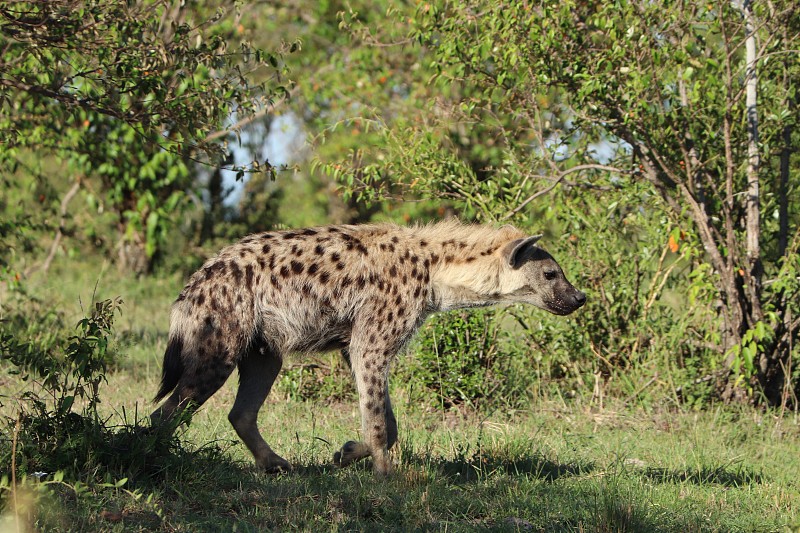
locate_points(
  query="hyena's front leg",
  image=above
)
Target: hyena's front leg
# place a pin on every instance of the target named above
(391, 421)
(379, 426)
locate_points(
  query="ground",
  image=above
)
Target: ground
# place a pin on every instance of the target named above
(558, 465)
(552, 468)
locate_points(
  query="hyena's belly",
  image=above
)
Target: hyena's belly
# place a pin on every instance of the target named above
(306, 332)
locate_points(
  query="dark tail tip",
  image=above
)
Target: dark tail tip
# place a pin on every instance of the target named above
(172, 370)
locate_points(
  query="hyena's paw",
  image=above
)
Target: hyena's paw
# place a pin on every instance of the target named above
(350, 453)
(274, 464)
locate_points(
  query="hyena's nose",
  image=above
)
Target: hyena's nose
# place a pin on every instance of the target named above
(580, 298)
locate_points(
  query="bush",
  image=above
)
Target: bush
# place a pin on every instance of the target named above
(56, 428)
(57, 421)
(467, 359)
(325, 378)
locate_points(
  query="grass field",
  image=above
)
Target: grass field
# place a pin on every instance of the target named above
(556, 466)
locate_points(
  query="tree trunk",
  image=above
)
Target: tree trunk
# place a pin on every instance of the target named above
(783, 186)
(131, 255)
(753, 196)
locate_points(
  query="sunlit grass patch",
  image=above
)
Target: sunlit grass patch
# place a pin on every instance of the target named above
(554, 465)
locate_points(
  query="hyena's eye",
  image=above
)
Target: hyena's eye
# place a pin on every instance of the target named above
(550, 274)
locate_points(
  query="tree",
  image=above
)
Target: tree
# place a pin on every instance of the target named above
(132, 94)
(668, 91)
(511, 112)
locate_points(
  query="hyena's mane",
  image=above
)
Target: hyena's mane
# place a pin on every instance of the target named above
(472, 235)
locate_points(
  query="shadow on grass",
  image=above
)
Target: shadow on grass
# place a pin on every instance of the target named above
(203, 489)
(153, 458)
(479, 466)
(719, 475)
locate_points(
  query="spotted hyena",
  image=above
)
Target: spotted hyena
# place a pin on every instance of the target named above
(364, 289)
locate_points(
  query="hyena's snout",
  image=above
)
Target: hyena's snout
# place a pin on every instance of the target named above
(567, 300)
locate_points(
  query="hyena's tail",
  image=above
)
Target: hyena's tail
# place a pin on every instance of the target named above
(173, 368)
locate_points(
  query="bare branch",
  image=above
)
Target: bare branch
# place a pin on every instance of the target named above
(45, 266)
(558, 179)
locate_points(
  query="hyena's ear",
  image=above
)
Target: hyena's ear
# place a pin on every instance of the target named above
(514, 251)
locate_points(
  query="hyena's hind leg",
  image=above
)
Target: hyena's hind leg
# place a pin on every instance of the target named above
(257, 372)
(193, 372)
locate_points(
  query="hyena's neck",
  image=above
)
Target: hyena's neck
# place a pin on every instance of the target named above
(446, 298)
(466, 264)
(459, 285)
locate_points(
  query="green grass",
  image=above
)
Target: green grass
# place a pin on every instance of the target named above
(557, 466)
(550, 469)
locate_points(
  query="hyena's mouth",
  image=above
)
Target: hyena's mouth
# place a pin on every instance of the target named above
(565, 306)
(560, 310)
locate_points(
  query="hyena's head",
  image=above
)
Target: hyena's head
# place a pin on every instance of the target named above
(531, 275)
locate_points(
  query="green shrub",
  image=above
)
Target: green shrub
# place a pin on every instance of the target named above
(466, 359)
(57, 421)
(323, 378)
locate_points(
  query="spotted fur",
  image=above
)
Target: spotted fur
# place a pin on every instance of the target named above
(363, 289)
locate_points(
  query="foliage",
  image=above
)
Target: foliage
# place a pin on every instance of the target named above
(324, 379)
(59, 440)
(127, 93)
(22, 221)
(16, 237)
(60, 425)
(466, 359)
(641, 105)
(663, 85)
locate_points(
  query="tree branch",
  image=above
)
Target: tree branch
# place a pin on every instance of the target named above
(45, 266)
(211, 137)
(563, 174)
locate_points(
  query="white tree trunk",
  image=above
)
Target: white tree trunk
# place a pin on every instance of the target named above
(752, 206)
(752, 134)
